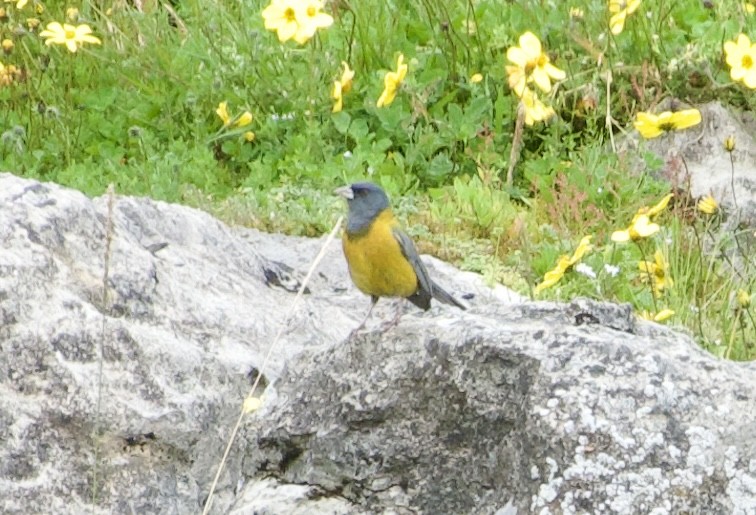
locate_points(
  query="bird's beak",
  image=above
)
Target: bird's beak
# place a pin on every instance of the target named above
(344, 191)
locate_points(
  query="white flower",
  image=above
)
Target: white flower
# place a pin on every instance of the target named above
(347, 154)
(282, 117)
(612, 270)
(586, 270)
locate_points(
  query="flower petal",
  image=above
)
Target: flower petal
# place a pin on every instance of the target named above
(517, 56)
(286, 32)
(90, 39)
(659, 207)
(554, 72)
(55, 27)
(663, 315)
(685, 118)
(643, 228)
(530, 45)
(749, 79)
(647, 124)
(617, 22)
(744, 42)
(542, 80)
(244, 120)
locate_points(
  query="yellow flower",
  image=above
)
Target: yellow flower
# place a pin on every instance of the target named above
(619, 10)
(281, 17)
(576, 13)
(249, 136)
(341, 86)
(72, 14)
(741, 57)
(32, 23)
(8, 74)
(338, 99)
(749, 8)
(658, 208)
(658, 271)
(661, 316)
(531, 65)
(582, 249)
(20, 4)
(310, 19)
(7, 45)
(743, 298)
(535, 110)
(244, 119)
(565, 262)
(552, 277)
(72, 37)
(476, 78)
(708, 205)
(295, 19)
(729, 143)
(222, 112)
(517, 79)
(652, 125)
(346, 78)
(391, 82)
(640, 227)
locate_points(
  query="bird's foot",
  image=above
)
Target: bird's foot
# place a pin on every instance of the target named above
(357, 330)
(394, 321)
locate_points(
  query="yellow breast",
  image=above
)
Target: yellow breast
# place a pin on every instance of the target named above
(376, 262)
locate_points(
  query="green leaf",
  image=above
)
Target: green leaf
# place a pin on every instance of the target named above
(341, 122)
(440, 166)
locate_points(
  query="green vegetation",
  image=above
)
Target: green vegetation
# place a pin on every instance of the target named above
(501, 170)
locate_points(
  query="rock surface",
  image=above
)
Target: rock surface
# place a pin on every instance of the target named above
(123, 403)
(554, 409)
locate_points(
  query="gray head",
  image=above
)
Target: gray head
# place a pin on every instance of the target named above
(366, 201)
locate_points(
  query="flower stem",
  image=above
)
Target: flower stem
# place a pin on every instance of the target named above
(650, 277)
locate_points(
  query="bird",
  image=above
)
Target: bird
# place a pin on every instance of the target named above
(382, 259)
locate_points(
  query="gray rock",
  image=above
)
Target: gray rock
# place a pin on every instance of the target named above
(123, 403)
(544, 404)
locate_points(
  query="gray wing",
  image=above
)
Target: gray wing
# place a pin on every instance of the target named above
(425, 285)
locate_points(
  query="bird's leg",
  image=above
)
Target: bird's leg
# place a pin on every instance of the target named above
(394, 321)
(373, 302)
(399, 311)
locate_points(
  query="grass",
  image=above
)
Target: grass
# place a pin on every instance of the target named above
(139, 111)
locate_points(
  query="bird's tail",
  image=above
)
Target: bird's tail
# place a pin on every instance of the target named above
(444, 296)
